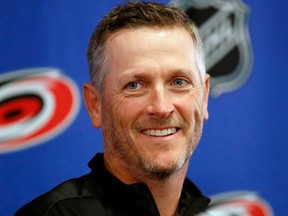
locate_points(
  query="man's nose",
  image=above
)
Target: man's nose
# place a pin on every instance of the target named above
(160, 103)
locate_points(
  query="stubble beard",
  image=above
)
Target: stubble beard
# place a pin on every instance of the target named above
(136, 163)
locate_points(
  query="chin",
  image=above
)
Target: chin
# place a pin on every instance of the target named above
(162, 168)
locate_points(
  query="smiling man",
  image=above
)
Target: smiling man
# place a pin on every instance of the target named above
(149, 94)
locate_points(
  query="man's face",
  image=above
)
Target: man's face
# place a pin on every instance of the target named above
(154, 101)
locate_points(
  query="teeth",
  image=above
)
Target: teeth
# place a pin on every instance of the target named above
(164, 132)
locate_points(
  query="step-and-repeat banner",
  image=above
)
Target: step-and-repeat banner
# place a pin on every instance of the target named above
(45, 133)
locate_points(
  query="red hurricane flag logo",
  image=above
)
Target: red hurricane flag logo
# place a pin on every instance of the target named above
(238, 203)
(35, 106)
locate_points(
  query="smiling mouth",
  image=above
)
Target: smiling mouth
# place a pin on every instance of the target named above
(160, 133)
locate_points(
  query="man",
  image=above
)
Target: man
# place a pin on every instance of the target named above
(149, 94)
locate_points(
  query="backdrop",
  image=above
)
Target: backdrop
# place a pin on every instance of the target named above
(46, 136)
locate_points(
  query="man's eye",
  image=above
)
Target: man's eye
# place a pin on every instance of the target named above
(179, 82)
(134, 85)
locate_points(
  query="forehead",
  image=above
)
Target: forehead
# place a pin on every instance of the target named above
(135, 40)
(150, 49)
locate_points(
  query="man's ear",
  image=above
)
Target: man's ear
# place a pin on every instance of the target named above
(92, 101)
(206, 96)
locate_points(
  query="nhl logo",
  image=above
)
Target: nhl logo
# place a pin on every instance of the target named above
(223, 29)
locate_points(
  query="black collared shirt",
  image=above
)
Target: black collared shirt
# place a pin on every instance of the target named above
(101, 194)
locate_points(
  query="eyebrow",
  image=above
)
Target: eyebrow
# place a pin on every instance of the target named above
(142, 74)
(186, 72)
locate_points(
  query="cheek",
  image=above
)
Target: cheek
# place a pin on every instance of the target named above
(196, 99)
(126, 110)
(189, 108)
(188, 103)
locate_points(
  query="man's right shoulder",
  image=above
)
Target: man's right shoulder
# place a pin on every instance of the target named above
(80, 189)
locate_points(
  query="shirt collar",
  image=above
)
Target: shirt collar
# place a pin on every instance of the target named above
(191, 201)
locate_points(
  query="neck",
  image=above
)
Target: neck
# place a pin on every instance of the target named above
(165, 193)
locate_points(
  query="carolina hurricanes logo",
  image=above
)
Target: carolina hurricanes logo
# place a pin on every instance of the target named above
(239, 204)
(35, 106)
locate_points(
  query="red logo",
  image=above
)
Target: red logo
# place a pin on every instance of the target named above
(35, 106)
(239, 203)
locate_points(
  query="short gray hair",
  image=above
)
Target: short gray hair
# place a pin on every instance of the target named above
(137, 14)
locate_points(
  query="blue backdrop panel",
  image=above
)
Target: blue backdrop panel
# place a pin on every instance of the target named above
(244, 141)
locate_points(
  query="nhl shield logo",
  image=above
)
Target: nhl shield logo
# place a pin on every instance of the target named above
(223, 28)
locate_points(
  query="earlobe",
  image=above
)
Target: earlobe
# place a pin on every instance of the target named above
(206, 96)
(93, 104)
